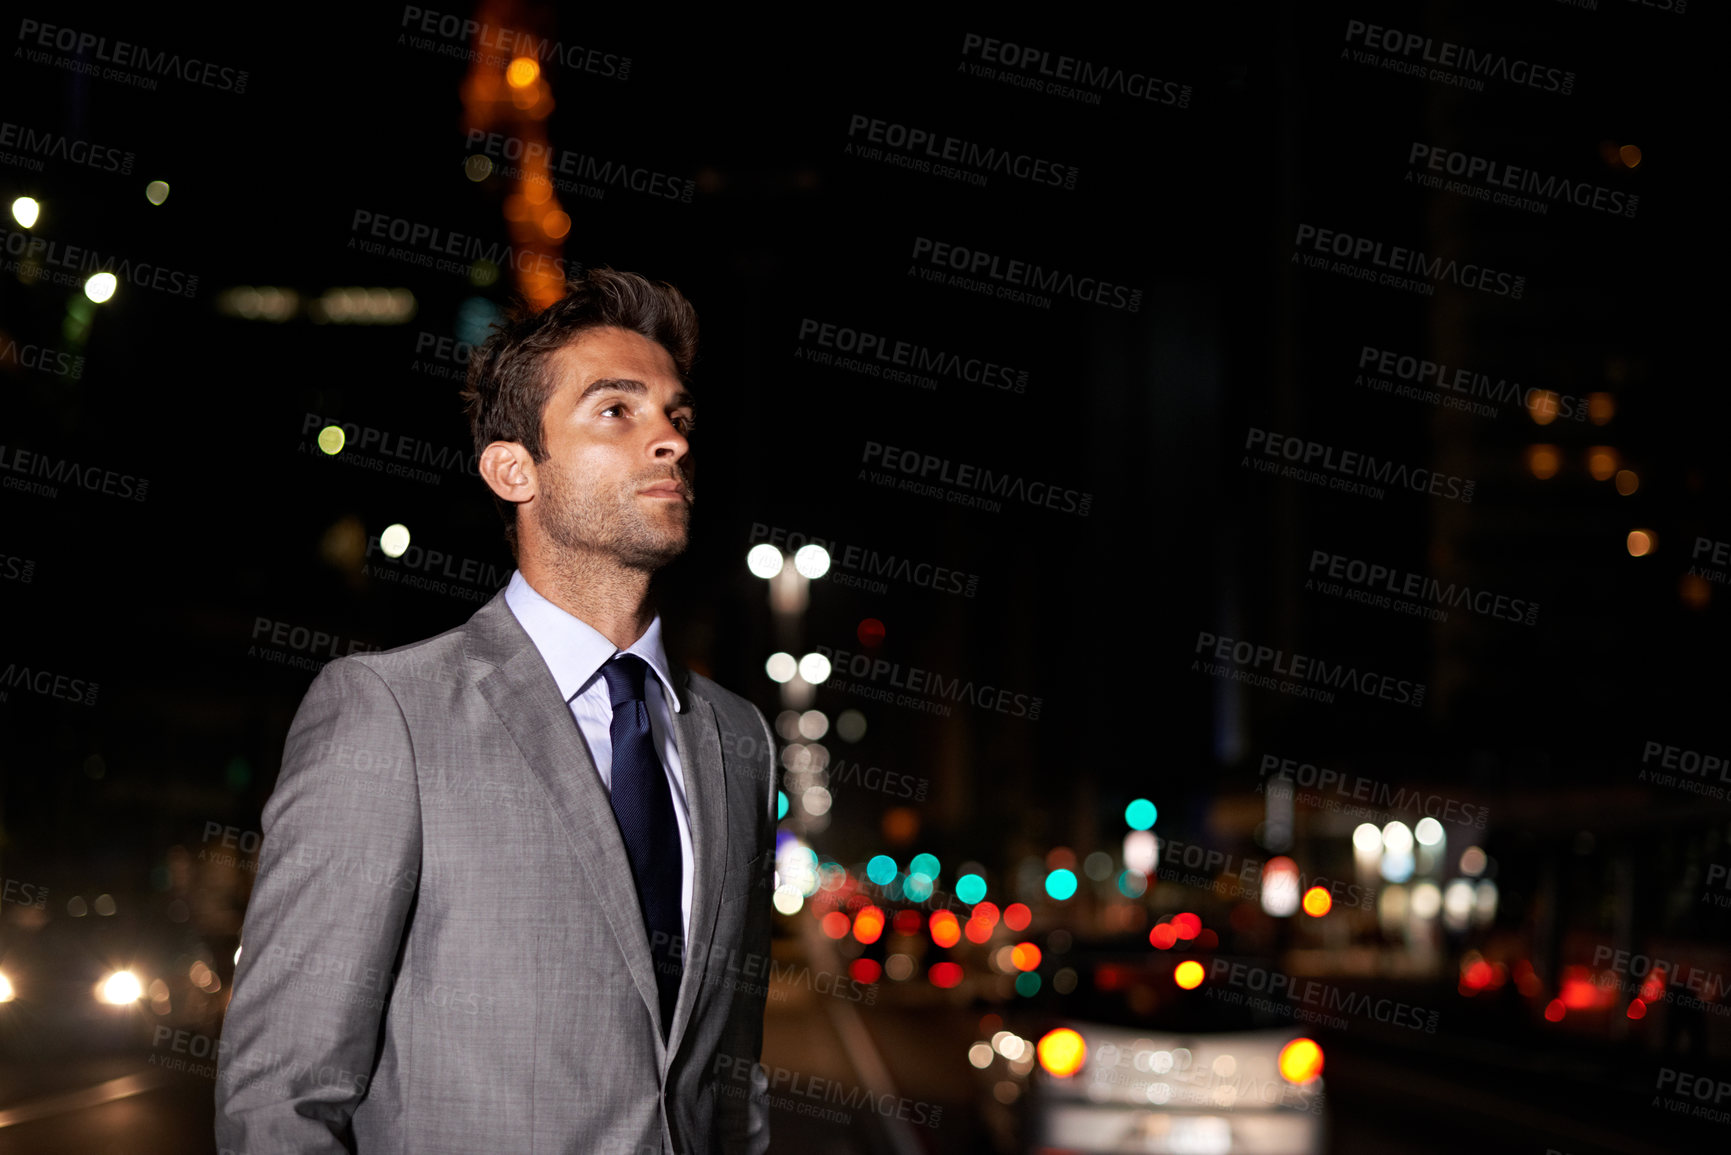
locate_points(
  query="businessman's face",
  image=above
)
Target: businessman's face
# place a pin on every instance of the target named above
(618, 475)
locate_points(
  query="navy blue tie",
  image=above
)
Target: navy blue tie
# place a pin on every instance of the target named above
(643, 805)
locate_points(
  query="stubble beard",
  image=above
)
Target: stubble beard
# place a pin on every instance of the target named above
(587, 527)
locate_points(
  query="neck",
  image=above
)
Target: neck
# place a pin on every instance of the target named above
(614, 600)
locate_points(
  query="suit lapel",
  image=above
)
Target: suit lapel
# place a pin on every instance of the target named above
(524, 696)
(699, 742)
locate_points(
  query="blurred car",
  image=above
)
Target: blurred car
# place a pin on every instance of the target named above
(1142, 1054)
(99, 982)
(1101, 1088)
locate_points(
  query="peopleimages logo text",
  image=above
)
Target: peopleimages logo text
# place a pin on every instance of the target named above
(1313, 672)
(1446, 54)
(871, 568)
(937, 146)
(1516, 179)
(1353, 464)
(532, 158)
(498, 44)
(920, 681)
(1357, 788)
(57, 146)
(1399, 259)
(1380, 579)
(70, 265)
(61, 471)
(1075, 71)
(915, 464)
(977, 263)
(435, 242)
(1451, 379)
(864, 344)
(127, 55)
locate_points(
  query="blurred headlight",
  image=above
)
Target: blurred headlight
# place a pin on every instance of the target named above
(120, 988)
(1300, 1061)
(6, 991)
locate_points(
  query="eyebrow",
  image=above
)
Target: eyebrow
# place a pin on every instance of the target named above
(681, 399)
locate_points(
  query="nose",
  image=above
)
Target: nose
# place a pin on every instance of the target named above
(667, 443)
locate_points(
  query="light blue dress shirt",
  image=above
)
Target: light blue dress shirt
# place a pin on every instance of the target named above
(575, 652)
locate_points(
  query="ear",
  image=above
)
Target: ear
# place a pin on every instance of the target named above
(509, 471)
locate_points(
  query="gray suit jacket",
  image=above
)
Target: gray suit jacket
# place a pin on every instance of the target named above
(444, 950)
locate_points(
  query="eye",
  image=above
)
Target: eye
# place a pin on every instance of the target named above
(685, 423)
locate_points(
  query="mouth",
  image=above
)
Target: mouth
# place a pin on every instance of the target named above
(670, 490)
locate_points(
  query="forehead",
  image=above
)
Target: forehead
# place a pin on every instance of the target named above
(600, 354)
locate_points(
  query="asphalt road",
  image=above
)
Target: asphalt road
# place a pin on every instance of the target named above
(889, 1076)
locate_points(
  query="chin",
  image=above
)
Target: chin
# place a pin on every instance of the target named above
(653, 554)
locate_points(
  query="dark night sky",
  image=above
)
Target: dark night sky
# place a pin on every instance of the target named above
(1197, 207)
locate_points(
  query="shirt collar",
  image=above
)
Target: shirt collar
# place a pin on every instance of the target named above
(573, 649)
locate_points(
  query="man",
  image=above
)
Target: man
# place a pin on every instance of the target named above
(513, 891)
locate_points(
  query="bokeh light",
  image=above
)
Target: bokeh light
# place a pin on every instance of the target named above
(764, 561)
(121, 988)
(811, 561)
(1300, 1061)
(970, 888)
(945, 975)
(1061, 1052)
(850, 725)
(394, 541)
(868, 925)
(100, 286)
(1542, 406)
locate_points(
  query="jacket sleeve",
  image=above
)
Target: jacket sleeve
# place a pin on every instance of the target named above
(337, 878)
(744, 1120)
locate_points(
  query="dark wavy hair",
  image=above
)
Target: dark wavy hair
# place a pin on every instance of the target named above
(509, 381)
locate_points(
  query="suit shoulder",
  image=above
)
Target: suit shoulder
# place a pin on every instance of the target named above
(438, 658)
